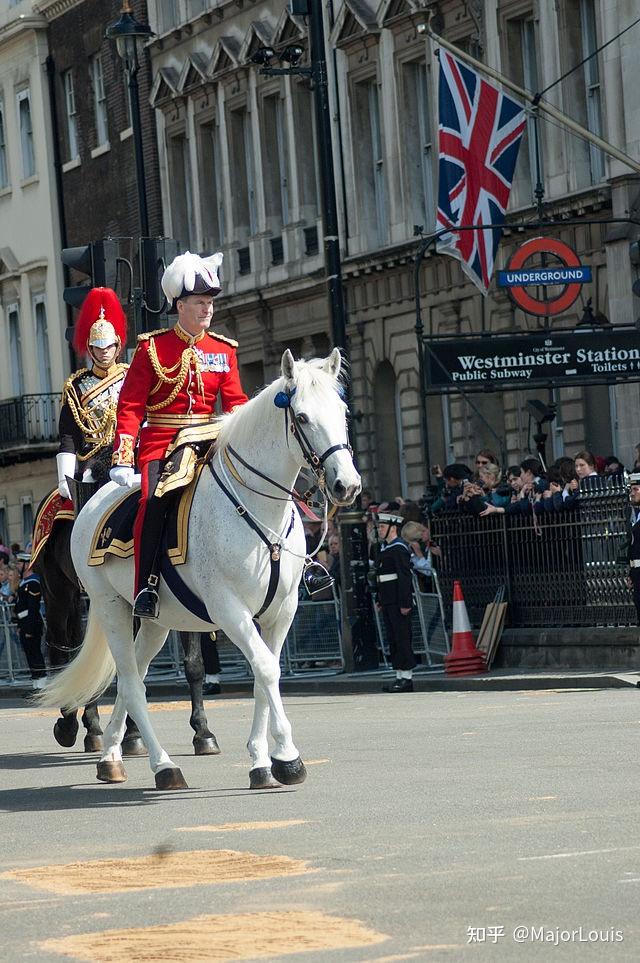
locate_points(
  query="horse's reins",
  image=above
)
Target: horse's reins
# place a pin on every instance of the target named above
(315, 461)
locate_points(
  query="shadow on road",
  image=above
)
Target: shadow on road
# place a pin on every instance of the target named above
(45, 760)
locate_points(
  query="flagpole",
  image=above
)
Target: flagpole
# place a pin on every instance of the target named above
(533, 99)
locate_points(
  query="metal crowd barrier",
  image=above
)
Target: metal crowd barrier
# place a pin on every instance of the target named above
(562, 568)
(429, 632)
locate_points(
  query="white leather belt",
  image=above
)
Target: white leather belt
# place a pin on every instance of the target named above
(635, 563)
(393, 577)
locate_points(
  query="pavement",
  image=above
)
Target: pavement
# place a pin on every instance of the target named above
(334, 682)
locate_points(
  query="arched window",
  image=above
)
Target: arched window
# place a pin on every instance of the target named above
(390, 473)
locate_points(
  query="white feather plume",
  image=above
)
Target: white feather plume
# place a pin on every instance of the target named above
(181, 273)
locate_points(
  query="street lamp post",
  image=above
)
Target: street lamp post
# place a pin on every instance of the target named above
(130, 36)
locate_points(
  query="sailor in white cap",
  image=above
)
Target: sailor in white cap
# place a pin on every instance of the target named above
(394, 595)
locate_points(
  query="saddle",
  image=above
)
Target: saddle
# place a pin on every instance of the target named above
(114, 532)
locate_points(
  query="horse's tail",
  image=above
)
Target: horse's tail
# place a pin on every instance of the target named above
(86, 677)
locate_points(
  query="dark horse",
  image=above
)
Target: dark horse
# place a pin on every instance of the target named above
(64, 610)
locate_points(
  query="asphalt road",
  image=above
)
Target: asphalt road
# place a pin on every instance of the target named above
(423, 816)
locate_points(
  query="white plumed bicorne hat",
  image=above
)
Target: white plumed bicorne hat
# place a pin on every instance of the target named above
(191, 274)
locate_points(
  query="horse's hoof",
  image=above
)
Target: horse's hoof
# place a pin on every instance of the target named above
(288, 773)
(93, 743)
(170, 779)
(110, 772)
(64, 734)
(133, 746)
(206, 746)
(262, 778)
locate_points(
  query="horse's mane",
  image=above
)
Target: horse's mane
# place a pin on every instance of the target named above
(311, 379)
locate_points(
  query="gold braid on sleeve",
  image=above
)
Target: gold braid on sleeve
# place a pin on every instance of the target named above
(164, 375)
(97, 432)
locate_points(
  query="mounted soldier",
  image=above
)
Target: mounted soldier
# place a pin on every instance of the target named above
(174, 380)
(90, 395)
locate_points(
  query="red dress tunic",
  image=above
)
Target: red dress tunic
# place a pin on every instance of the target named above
(173, 381)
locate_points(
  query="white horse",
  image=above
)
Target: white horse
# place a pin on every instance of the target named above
(299, 418)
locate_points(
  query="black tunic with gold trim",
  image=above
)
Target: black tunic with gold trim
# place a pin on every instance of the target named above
(88, 417)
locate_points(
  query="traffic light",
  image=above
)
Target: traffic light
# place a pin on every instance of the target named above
(155, 254)
(97, 261)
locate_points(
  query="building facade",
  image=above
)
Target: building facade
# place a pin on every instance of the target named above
(237, 153)
(33, 356)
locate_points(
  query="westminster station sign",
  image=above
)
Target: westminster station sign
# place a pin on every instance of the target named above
(572, 357)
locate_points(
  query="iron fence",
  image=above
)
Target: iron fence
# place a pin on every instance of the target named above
(29, 420)
(559, 568)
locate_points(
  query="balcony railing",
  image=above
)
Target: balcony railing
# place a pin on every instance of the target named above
(29, 420)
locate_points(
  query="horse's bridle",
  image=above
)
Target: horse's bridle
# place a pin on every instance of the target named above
(310, 455)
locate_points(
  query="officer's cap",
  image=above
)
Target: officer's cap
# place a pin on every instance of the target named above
(634, 479)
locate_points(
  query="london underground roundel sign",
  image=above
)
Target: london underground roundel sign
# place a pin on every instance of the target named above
(569, 274)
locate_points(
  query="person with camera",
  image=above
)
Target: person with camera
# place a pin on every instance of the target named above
(450, 483)
(394, 596)
(532, 486)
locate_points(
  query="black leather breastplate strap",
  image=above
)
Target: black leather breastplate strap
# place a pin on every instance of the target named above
(275, 548)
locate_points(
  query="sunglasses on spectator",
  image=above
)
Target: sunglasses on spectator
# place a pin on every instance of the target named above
(482, 461)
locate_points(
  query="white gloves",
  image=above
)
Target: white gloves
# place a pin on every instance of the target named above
(123, 475)
(66, 464)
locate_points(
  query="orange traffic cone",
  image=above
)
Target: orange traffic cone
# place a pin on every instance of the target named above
(464, 658)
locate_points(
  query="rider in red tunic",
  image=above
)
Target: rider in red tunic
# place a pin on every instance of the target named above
(173, 382)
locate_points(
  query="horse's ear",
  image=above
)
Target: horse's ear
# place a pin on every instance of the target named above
(333, 363)
(287, 365)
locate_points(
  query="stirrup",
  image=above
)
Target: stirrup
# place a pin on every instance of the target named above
(145, 604)
(316, 578)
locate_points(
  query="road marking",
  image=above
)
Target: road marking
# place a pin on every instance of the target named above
(582, 852)
(243, 936)
(239, 827)
(162, 869)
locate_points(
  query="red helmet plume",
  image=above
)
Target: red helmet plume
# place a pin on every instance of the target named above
(102, 305)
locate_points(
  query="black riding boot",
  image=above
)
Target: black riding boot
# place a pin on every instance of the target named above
(145, 605)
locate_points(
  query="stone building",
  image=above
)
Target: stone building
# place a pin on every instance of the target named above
(33, 356)
(237, 157)
(67, 176)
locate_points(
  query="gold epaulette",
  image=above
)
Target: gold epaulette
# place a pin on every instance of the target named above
(72, 377)
(222, 337)
(152, 334)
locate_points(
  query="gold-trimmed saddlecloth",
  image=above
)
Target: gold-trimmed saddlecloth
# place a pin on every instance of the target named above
(52, 508)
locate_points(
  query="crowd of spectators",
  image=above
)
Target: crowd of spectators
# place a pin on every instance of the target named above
(524, 488)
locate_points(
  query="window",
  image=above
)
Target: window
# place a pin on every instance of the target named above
(369, 162)
(72, 118)
(167, 15)
(523, 64)
(418, 162)
(244, 194)
(26, 134)
(15, 351)
(27, 519)
(211, 190)
(195, 7)
(274, 158)
(592, 86)
(4, 169)
(306, 153)
(42, 344)
(99, 101)
(181, 194)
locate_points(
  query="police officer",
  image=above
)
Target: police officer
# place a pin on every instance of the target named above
(633, 547)
(29, 619)
(90, 395)
(173, 382)
(394, 595)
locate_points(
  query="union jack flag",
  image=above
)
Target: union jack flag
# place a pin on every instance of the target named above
(479, 135)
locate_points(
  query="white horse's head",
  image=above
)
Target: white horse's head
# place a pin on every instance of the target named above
(319, 421)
